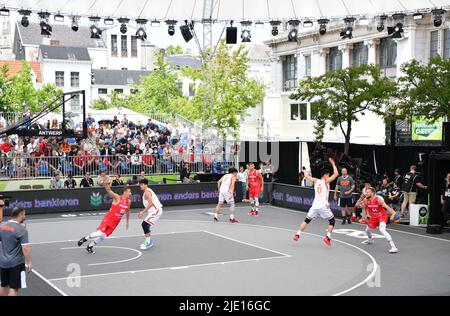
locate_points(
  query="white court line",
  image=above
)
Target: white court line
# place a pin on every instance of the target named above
(172, 268)
(374, 262)
(118, 237)
(49, 283)
(389, 229)
(248, 244)
(139, 254)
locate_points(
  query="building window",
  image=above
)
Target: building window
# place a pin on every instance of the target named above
(124, 45)
(290, 80)
(59, 79)
(308, 66)
(334, 59)
(314, 111)
(114, 46)
(120, 91)
(360, 54)
(434, 45)
(102, 91)
(75, 79)
(388, 53)
(447, 43)
(134, 46)
(299, 112)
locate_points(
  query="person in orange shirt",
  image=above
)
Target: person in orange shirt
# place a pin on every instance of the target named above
(65, 146)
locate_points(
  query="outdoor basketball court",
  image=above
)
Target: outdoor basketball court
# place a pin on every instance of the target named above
(193, 256)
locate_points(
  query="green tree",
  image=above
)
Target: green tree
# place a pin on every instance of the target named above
(177, 50)
(425, 90)
(115, 100)
(340, 96)
(20, 90)
(233, 91)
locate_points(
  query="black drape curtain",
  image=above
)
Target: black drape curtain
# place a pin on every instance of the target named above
(439, 166)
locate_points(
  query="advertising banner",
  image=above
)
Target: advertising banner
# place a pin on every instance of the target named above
(96, 199)
(424, 130)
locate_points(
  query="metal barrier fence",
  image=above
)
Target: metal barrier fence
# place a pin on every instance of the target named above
(46, 167)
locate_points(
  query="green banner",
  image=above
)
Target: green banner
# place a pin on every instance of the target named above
(424, 130)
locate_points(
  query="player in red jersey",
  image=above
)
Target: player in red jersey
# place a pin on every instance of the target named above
(377, 209)
(255, 187)
(119, 208)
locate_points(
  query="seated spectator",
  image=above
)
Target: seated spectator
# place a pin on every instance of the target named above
(87, 181)
(133, 181)
(56, 183)
(394, 196)
(101, 178)
(70, 183)
(142, 176)
(117, 182)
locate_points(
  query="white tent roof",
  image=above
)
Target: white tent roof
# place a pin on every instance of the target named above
(225, 10)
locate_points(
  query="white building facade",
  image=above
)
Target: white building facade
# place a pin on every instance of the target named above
(314, 55)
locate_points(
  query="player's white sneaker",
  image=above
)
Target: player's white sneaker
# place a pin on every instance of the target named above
(368, 242)
(146, 245)
(393, 250)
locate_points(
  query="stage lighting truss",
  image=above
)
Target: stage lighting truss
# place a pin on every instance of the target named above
(246, 35)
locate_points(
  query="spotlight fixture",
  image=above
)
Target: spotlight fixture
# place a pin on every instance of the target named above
(308, 24)
(381, 23)
(231, 35)
(347, 33)
(25, 22)
(75, 24)
(96, 32)
(397, 30)
(171, 27)
(4, 12)
(323, 26)
(275, 25)
(246, 35)
(123, 26)
(155, 23)
(46, 28)
(59, 18)
(187, 31)
(418, 16)
(293, 32)
(108, 21)
(141, 33)
(438, 17)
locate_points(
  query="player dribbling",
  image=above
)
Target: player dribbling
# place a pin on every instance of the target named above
(321, 206)
(120, 207)
(376, 207)
(226, 186)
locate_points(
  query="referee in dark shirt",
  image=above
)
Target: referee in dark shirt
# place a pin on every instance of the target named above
(15, 254)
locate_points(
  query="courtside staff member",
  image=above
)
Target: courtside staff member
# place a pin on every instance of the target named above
(15, 253)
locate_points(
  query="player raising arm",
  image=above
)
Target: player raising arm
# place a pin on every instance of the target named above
(321, 206)
(120, 206)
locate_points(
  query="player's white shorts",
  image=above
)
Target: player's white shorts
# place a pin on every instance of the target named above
(325, 213)
(226, 197)
(153, 216)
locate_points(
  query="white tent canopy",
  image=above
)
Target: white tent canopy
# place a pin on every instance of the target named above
(225, 10)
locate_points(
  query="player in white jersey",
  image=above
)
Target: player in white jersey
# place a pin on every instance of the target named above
(321, 206)
(226, 186)
(151, 214)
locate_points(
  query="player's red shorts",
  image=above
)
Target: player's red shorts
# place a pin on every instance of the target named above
(374, 222)
(254, 193)
(108, 227)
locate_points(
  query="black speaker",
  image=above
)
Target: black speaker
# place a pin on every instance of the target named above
(232, 33)
(186, 32)
(446, 136)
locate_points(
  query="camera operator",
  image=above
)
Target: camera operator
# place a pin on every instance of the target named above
(445, 199)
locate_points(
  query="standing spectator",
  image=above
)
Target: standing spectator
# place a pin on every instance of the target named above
(15, 256)
(90, 120)
(70, 183)
(346, 186)
(267, 171)
(445, 198)
(411, 182)
(87, 181)
(56, 183)
(133, 181)
(242, 177)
